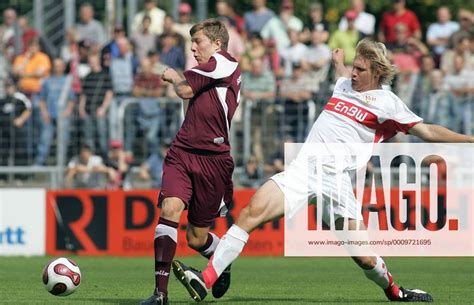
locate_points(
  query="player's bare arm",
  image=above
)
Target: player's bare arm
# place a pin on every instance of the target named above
(181, 86)
(437, 133)
(338, 62)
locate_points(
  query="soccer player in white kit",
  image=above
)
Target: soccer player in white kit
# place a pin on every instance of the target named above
(359, 111)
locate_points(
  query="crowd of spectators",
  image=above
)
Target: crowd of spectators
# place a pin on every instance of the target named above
(285, 61)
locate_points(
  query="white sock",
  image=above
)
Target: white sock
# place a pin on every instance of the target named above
(227, 251)
(379, 274)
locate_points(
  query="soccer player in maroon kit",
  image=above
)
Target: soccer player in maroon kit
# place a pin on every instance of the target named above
(197, 171)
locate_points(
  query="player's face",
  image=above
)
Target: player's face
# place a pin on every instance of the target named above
(363, 79)
(202, 47)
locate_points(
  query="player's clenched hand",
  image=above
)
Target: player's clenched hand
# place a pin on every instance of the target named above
(170, 75)
(337, 56)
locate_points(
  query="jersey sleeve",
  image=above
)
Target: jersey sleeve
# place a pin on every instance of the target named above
(403, 117)
(215, 72)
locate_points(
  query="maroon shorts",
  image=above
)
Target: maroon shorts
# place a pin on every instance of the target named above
(203, 182)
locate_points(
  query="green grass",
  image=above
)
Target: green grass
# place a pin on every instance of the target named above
(264, 280)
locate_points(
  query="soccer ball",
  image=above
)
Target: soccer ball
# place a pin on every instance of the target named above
(61, 276)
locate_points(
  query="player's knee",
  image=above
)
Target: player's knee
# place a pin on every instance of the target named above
(196, 242)
(171, 209)
(365, 262)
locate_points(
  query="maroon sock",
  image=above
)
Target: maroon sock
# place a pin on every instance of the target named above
(165, 249)
(204, 250)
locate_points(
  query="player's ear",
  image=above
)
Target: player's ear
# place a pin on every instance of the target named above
(218, 44)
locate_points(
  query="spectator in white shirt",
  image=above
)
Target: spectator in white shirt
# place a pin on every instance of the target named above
(439, 32)
(157, 18)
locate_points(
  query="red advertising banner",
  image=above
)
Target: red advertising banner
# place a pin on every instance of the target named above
(123, 223)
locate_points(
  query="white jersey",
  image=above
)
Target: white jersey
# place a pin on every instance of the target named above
(353, 117)
(349, 118)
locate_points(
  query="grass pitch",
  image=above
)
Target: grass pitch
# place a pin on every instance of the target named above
(262, 280)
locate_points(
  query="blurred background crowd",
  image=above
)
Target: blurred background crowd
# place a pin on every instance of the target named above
(82, 103)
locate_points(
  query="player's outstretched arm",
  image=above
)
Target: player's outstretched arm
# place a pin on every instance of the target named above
(338, 62)
(181, 86)
(437, 133)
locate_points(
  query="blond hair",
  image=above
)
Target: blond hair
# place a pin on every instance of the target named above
(380, 64)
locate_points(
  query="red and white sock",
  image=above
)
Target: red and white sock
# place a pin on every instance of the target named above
(229, 248)
(380, 276)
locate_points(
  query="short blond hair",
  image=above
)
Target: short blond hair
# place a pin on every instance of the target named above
(380, 64)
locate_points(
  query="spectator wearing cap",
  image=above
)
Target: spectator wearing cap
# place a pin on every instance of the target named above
(144, 40)
(90, 29)
(182, 27)
(156, 14)
(117, 165)
(439, 32)
(94, 103)
(226, 8)
(398, 14)
(346, 40)
(256, 19)
(315, 22)
(364, 23)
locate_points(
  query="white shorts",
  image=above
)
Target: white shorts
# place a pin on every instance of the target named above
(300, 184)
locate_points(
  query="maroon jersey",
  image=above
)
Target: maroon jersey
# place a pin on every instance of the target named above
(216, 89)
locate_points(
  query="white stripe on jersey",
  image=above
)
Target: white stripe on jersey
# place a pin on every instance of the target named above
(222, 93)
(224, 68)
